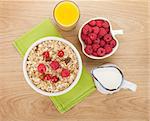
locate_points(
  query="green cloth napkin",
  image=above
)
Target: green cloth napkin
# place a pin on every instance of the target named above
(85, 85)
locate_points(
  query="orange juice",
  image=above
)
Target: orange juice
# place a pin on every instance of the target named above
(66, 14)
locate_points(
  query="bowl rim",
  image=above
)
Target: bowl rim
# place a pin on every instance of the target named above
(83, 45)
(31, 83)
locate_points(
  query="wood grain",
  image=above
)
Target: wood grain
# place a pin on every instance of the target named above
(18, 102)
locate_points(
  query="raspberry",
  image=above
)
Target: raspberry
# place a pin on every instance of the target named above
(105, 24)
(94, 54)
(95, 30)
(108, 49)
(86, 29)
(92, 36)
(102, 32)
(97, 41)
(102, 43)
(88, 49)
(101, 52)
(112, 43)
(95, 47)
(107, 37)
(47, 77)
(54, 65)
(88, 41)
(65, 73)
(45, 54)
(107, 30)
(99, 23)
(92, 23)
(54, 79)
(60, 53)
(83, 36)
(41, 68)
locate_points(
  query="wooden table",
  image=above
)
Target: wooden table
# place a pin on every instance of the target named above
(18, 102)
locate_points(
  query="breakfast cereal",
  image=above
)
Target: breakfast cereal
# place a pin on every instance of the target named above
(52, 66)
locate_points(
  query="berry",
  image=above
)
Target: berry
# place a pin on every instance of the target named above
(93, 36)
(102, 43)
(101, 52)
(99, 23)
(102, 32)
(45, 55)
(83, 37)
(94, 54)
(97, 41)
(107, 37)
(87, 29)
(88, 41)
(92, 23)
(112, 43)
(105, 24)
(47, 77)
(95, 47)
(65, 73)
(54, 65)
(54, 79)
(95, 30)
(108, 49)
(41, 68)
(88, 49)
(60, 53)
(107, 30)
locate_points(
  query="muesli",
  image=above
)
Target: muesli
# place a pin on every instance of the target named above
(52, 66)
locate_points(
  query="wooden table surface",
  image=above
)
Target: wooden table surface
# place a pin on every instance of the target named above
(18, 102)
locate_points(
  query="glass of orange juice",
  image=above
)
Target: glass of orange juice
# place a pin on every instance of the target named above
(66, 14)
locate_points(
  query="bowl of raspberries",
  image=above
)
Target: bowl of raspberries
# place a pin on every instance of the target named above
(98, 39)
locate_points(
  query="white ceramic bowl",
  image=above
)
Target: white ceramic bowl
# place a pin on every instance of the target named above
(113, 32)
(31, 83)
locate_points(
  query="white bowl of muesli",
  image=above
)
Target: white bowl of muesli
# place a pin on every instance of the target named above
(52, 66)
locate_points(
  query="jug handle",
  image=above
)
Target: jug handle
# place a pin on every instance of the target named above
(129, 85)
(115, 32)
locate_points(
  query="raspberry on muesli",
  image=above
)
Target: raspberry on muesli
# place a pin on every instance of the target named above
(52, 66)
